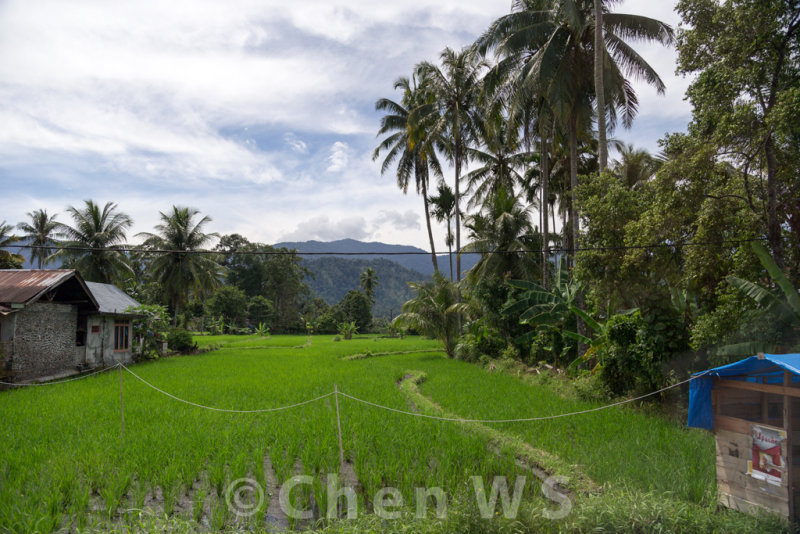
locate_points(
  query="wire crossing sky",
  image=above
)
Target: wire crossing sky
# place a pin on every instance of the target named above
(258, 113)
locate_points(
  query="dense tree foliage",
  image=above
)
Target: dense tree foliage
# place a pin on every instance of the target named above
(275, 274)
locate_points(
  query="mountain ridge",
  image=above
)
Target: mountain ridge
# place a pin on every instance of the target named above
(408, 256)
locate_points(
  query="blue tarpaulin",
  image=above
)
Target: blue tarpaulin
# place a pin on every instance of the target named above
(768, 368)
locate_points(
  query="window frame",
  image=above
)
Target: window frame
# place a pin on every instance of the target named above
(122, 332)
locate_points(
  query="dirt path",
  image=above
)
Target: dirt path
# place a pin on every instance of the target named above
(541, 463)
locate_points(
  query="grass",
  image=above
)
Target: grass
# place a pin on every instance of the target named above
(65, 464)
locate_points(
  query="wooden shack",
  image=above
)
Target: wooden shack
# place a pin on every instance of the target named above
(753, 408)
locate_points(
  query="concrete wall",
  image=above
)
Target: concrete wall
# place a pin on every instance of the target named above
(44, 340)
(100, 346)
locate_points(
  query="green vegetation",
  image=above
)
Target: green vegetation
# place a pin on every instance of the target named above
(41, 232)
(95, 235)
(331, 278)
(65, 462)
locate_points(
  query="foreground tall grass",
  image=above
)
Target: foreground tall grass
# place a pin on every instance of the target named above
(65, 464)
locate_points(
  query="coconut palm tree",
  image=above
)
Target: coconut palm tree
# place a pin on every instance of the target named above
(432, 311)
(453, 115)
(501, 162)
(369, 282)
(552, 43)
(182, 268)
(407, 143)
(503, 235)
(7, 259)
(40, 232)
(93, 241)
(444, 205)
(635, 166)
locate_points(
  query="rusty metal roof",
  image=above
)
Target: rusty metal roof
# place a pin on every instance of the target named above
(20, 286)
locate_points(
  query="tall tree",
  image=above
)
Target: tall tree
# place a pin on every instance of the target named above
(744, 56)
(369, 282)
(453, 115)
(635, 165)
(551, 44)
(409, 145)
(92, 242)
(500, 162)
(599, 85)
(182, 268)
(40, 232)
(444, 206)
(503, 235)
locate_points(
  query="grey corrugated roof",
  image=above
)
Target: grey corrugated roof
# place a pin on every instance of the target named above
(110, 298)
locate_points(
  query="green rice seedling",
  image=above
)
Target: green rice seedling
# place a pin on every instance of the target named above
(198, 504)
(68, 436)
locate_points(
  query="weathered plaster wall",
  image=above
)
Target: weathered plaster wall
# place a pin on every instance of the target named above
(100, 346)
(44, 339)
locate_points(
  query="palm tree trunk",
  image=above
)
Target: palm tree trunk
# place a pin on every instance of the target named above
(599, 85)
(573, 183)
(458, 214)
(424, 185)
(573, 213)
(450, 247)
(545, 200)
(458, 228)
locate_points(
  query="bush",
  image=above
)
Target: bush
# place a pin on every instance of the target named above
(347, 330)
(638, 349)
(180, 340)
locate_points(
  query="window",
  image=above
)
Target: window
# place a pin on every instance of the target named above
(121, 335)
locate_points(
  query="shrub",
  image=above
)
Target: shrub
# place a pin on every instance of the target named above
(348, 329)
(180, 340)
(638, 348)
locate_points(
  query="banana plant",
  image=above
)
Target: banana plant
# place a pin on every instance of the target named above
(784, 307)
(546, 309)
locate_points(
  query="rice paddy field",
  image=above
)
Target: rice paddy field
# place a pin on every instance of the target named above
(65, 464)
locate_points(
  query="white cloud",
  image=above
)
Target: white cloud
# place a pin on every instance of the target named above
(237, 108)
(295, 143)
(339, 157)
(408, 220)
(322, 228)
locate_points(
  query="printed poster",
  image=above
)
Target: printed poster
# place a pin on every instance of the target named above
(767, 463)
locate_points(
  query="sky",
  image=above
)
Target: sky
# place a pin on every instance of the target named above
(258, 113)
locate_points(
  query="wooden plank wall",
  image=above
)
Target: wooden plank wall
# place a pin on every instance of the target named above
(737, 407)
(737, 489)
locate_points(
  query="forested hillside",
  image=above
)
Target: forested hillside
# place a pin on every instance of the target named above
(333, 277)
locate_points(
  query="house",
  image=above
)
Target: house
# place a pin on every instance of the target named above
(53, 323)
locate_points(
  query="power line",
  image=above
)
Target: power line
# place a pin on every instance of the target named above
(213, 409)
(528, 419)
(551, 250)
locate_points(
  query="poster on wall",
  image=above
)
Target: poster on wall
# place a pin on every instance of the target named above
(767, 463)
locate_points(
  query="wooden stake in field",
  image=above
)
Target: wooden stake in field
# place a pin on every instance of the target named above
(121, 405)
(338, 425)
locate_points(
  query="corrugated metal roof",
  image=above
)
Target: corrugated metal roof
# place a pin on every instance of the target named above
(110, 298)
(18, 286)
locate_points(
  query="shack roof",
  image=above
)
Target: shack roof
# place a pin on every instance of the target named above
(24, 286)
(763, 368)
(111, 299)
